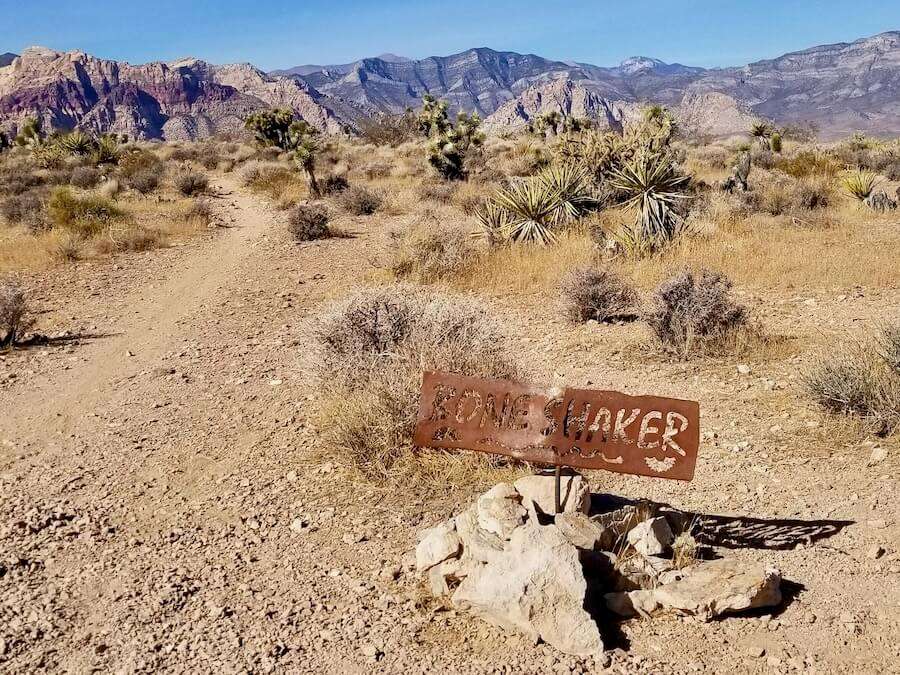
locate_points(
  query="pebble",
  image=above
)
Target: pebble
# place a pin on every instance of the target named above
(744, 369)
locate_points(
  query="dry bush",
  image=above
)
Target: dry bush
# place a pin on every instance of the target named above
(695, 313)
(26, 209)
(469, 197)
(371, 351)
(190, 183)
(377, 169)
(809, 163)
(184, 153)
(391, 130)
(333, 184)
(359, 201)
(429, 252)
(308, 222)
(277, 181)
(440, 192)
(861, 379)
(137, 160)
(781, 195)
(85, 177)
(15, 316)
(145, 181)
(589, 293)
(86, 215)
(129, 237)
(209, 157)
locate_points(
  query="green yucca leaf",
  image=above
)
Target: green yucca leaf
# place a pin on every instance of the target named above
(572, 188)
(860, 183)
(533, 210)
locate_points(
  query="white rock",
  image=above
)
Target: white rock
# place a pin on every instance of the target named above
(651, 537)
(478, 545)
(579, 530)
(744, 369)
(538, 588)
(499, 510)
(437, 544)
(879, 454)
(705, 591)
(538, 493)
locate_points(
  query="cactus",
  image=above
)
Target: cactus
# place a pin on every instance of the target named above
(30, 134)
(775, 142)
(76, 143)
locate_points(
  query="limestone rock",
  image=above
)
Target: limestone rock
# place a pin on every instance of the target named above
(651, 537)
(538, 493)
(617, 524)
(705, 591)
(500, 511)
(478, 545)
(536, 587)
(437, 544)
(580, 531)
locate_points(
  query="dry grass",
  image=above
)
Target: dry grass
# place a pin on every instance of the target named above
(371, 350)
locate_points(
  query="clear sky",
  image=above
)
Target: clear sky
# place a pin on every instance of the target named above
(277, 34)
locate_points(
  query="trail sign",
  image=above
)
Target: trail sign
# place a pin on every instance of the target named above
(580, 428)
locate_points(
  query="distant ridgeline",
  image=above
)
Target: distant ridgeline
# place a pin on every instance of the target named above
(839, 88)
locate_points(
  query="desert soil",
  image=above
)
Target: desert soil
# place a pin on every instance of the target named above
(153, 461)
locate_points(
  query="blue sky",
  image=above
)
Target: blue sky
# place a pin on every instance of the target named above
(275, 33)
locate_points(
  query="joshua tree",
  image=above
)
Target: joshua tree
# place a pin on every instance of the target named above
(31, 134)
(449, 143)
(775, 143)
(278, 128)
(659, 126)
(549, 122)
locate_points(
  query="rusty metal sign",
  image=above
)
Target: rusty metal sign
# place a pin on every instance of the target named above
(580, 428)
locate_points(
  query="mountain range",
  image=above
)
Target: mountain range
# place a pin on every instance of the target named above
(841, 88)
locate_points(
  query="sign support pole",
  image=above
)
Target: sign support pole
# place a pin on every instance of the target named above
(556, 488)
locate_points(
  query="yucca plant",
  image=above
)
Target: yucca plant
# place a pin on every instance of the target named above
(105, 150)
(76, 142)
(652, 185)
(860, 183)
(572, 187)
(303, 140)
(494, 222)
(533, 210)
(761, 131)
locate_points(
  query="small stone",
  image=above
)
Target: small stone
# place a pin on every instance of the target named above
(499, 510)
(879, 454)
(874, 552)
(756, 651)
(744, 369)
(651, 537)
(299, 525)
(437, 545)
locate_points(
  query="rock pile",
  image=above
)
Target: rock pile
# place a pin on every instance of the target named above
(510, 561)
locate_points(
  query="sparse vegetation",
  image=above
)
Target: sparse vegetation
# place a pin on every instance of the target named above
(308, 222)
(432, 251)
(694, 313)
(86, 215)
(595, 294)
(372, 349)
(358, 201)
(15, 315)
(191, 183)
(861, 379)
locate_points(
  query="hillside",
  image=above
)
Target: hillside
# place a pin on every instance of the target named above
(841, 88)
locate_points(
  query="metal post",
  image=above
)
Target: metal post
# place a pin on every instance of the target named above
(556, 488)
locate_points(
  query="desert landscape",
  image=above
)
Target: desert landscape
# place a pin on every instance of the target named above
(220, 288)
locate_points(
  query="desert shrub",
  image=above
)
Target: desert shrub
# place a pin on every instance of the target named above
(390, 130)
(589, 293)
(25, 209)
(145, 181)
(861, 379)
(308, 222)
(184, 153)
(814, 192)
(359, 201)
(190, 183)
(16, 179)
(333, 184)
(209, 157)
(433, 251)
(695, 312)
(15, 316)
(808, 163)
(58, 176)
(371, 351)
(87, 215)
(136, 161)
(377, 169)
(129, 237)
(441, 193)
(85, 177)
